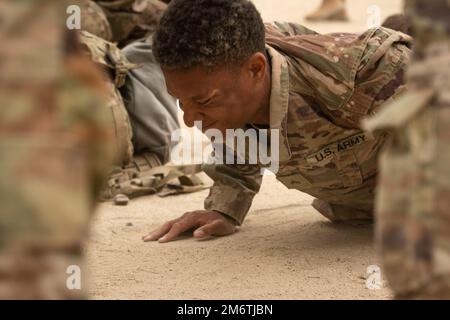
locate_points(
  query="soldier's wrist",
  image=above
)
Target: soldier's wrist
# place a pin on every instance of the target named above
(229, 218)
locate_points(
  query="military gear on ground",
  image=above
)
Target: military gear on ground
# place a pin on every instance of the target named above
(54, 149)
(121, 199)
(322, 86)
(413, 200)
(145, 177)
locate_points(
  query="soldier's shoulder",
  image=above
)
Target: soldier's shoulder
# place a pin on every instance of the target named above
(278, 28)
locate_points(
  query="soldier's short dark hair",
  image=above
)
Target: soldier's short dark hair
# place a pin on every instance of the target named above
(208, 33)
(398, 22)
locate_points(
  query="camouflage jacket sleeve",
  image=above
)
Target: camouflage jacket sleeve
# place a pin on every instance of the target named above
(345, 76)
(233, 190)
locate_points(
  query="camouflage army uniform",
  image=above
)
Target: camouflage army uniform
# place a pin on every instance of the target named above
(94, 20)
(413, 202)
(108, 56)
(322, 85)
(128, 20)
(54, 146)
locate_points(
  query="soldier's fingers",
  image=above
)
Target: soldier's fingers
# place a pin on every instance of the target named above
(178, 228)
(215, 228)
(158, 233)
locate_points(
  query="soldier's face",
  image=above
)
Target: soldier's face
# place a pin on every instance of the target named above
(225, 98)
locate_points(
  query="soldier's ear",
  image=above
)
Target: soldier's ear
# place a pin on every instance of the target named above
(256, 66)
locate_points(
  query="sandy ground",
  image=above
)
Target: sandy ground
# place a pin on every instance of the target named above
(285, 249)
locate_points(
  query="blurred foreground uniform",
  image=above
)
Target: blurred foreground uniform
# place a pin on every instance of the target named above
(413, 202)
(54, 149)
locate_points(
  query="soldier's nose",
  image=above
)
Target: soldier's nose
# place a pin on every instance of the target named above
(190, 118)
(188, 121)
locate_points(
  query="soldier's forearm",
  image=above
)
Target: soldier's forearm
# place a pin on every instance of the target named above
(231, 202)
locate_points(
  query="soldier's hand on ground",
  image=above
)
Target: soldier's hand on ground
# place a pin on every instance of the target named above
(204, 222)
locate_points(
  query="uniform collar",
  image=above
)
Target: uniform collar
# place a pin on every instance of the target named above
(279, 100)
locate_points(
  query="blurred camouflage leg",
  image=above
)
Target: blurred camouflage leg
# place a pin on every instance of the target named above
(413, 199)
(413, 206)
(33, 275)
(54, 149)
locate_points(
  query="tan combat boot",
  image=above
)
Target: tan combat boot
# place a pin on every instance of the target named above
(329, 10)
